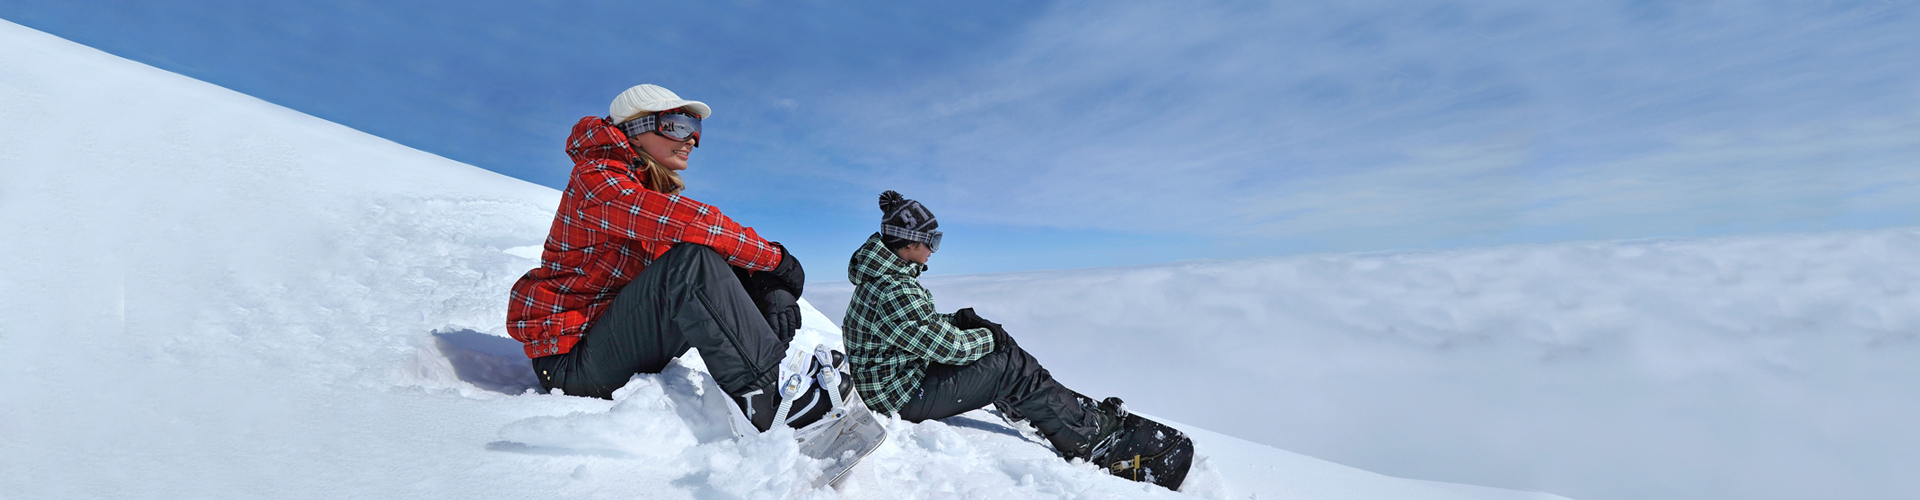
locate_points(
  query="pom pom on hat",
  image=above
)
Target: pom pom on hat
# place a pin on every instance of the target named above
(891, 200)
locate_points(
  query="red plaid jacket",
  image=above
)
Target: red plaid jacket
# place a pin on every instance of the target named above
(609, 228)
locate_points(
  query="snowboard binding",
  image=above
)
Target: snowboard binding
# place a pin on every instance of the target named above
(816, 398)
(1142, 450)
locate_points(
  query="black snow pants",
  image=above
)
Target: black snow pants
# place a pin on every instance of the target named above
(688, 298)
(1010, 375)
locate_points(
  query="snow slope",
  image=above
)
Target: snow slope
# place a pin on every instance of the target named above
(203, 295)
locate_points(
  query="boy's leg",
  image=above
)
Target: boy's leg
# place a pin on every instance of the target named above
(1067, 419)
(687, 298)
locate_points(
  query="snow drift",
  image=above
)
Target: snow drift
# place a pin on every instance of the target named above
(203, 295)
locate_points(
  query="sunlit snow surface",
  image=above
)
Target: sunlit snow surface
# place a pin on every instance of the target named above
(203, 295)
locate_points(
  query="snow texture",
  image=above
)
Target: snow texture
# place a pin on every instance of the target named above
(203, 295)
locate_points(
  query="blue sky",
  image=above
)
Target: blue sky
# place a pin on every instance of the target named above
(1059, 135)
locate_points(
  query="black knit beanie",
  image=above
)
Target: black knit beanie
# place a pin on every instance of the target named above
(900, 213)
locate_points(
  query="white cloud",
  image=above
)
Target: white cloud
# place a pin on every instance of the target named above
(1397, 124)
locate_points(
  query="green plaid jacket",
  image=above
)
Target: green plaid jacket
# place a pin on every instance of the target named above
(892, 331)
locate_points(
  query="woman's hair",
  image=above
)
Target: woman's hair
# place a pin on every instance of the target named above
(656, 176)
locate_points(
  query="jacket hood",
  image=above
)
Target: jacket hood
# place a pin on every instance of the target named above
(595, 138)
(873, 261)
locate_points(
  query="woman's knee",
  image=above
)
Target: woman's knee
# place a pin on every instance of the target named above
(691, 251)
(693, 261)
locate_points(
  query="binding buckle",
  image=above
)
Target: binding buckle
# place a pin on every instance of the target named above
(1123, 465)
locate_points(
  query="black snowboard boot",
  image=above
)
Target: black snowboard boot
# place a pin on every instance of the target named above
(1141, 449)
(760, 406)
(1106, 421)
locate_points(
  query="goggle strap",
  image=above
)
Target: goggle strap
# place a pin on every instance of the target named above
(637, 126)
(906, 234)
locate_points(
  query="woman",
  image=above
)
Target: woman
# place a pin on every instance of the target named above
(633, 274)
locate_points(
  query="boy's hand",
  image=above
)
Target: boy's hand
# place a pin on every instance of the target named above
(966, 319)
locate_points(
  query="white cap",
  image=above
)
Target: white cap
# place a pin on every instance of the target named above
(649, 98)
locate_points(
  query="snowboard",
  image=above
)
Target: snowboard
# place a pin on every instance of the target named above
(850, 433)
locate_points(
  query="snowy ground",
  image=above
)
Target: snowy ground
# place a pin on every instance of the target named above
(203, 295)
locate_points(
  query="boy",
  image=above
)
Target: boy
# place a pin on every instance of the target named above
(911, 361)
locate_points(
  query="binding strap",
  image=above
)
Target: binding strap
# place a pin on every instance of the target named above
(829, 375)
(790, 389)
(793, 383)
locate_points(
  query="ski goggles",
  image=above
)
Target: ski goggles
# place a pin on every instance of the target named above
(673, 124)
(930, 238)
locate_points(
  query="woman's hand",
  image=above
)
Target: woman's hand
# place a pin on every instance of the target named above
(783, 313)
(788, 275)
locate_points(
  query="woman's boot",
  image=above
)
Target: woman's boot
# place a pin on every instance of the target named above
(811, 388)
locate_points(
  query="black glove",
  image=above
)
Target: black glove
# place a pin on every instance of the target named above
(782, 312)
(778, 305)
(966, 319)
(787, 276)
